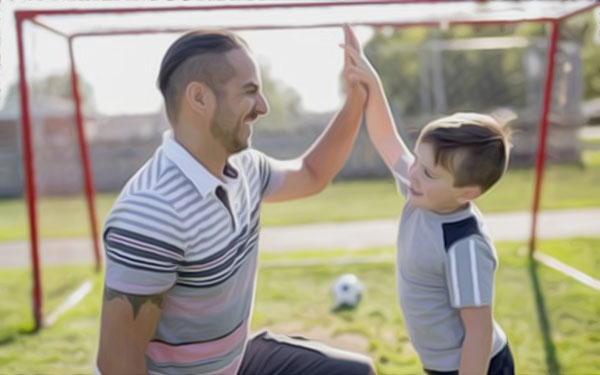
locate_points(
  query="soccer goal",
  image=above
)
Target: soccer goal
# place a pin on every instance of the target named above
(437, 87)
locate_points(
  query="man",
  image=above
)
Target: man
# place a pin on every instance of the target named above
(181, 240)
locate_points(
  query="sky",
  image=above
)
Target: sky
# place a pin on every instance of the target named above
(122, 69)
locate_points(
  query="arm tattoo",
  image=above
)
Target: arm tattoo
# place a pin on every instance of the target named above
(135, 300)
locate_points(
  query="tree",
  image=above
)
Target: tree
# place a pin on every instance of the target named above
(57, 86)
(585, 30)
(284, 104)
(475, 79)
(394, 56)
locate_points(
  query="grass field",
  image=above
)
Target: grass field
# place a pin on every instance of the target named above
(551, 320)
(565, 187)
(579, 253)
(67, 347)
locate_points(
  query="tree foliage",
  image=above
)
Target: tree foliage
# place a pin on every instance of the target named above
(481, 80)
(284, 104)
(57, 86)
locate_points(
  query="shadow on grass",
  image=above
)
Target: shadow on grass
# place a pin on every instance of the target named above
(9, 337)
(550, 349)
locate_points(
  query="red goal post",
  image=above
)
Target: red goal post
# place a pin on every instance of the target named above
(176, 17)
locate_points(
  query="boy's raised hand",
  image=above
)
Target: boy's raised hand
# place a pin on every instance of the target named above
(379, 120)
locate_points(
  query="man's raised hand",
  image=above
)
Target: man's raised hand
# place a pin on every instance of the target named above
(354, 83)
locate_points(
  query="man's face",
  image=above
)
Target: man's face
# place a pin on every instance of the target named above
(239, 103)
(432, 186)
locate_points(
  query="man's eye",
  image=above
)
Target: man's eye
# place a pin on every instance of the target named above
(427, 173)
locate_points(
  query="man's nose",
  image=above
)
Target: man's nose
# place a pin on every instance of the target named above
(262, 107)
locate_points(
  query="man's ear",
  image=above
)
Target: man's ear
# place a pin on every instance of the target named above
(469, 193)
(199, 97)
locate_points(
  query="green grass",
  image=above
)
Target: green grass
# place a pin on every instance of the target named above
(591, 142)
(591, 159)
(65, 348)
(565, 338)
(564, 187)
(342, 201)
(58, 217)
(16, 294)
(579, 253)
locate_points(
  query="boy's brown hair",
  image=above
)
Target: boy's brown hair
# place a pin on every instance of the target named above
(472, 146)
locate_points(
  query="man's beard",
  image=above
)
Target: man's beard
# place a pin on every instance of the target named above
(230, 137)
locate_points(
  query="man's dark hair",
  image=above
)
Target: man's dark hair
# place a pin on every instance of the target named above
(198, 55)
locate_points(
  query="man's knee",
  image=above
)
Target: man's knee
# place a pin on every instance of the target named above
(297, 355)
(372, 370)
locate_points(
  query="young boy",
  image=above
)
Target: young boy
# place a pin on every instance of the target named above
(446, 259)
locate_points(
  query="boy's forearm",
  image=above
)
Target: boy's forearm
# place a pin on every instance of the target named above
(381, 126)
(475, 352)
(377, 113)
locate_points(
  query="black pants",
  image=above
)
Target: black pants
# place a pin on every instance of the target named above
(500, 364)
(269, 354)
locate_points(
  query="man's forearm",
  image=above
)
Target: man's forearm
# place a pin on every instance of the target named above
(329, 152)
(122, 362)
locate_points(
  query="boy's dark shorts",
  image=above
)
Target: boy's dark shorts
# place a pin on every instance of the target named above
(500, 364)
(270, 354)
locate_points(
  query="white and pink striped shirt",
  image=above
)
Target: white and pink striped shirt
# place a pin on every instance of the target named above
(177, 229)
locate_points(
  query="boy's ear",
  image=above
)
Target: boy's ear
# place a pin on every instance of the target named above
(469, 193)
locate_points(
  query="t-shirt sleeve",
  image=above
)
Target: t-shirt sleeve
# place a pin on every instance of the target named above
(470, 267)
(143, 246)
(271, 173)
(400, 172)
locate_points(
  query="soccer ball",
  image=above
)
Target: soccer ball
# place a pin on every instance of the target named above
(347, 291)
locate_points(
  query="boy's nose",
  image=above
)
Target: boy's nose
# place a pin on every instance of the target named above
(414, 184)
(412, 177)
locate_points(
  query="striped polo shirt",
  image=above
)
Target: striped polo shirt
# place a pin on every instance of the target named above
(177, 229)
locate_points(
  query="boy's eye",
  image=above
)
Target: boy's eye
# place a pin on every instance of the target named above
(427, 173)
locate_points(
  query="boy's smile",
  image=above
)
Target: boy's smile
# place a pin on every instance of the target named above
(432, 185)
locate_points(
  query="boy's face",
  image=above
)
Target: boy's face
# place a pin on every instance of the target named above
(432, 186)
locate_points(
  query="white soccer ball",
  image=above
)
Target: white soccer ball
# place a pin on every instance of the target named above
(347, 291)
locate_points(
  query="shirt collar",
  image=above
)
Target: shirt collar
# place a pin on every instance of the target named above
(204, 181)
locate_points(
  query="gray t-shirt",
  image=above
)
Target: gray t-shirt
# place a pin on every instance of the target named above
(444, 263)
